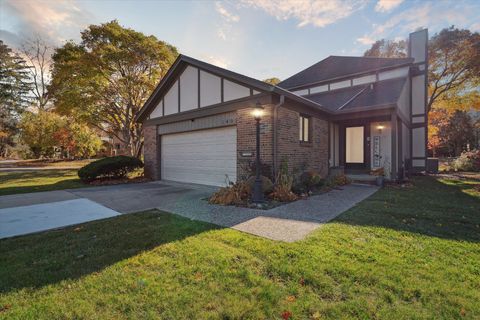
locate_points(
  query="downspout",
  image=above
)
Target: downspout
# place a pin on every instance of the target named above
(275, 134)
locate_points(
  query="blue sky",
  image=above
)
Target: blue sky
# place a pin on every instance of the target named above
(259, 38)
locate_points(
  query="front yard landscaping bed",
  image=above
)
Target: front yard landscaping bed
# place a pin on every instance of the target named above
(404, 253)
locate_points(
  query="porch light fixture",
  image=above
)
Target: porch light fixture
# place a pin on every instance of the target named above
(257, 112)
(257, 196)
(380, 127)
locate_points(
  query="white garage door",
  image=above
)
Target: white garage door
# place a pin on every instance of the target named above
(203, 156)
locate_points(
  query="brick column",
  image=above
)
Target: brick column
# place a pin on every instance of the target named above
(151, 152)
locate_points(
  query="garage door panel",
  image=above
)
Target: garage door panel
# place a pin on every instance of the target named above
(203, 157)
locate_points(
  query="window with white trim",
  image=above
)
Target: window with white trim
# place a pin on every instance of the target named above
(304, 128)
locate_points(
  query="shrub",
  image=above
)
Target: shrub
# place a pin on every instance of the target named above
(468, 161)
(235, 194)
(338, 180)
(267, 184)
(310, 179)
(283, 188)
(111, 167)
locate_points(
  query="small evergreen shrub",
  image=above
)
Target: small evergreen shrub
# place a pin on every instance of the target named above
(111, 167)
(468, 161)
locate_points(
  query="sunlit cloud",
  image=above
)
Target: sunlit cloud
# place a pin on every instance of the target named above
(387, 5)
(227, 15)
(434, 16)
(217, 61)
(308, 12)
(53, 21)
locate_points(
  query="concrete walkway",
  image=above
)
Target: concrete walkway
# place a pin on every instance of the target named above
(288, 222)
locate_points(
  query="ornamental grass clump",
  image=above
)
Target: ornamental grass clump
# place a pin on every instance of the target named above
(235, 194)
(282, 190)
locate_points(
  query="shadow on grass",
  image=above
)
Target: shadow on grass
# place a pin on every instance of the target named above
(37, 260)
(36, 181)
(432, 207)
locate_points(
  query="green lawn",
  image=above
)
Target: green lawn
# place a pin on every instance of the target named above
(40, 180)
(404, 253)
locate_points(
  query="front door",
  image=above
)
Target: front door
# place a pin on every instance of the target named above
(355, 147)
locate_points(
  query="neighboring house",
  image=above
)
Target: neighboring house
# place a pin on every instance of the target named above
(351, 112)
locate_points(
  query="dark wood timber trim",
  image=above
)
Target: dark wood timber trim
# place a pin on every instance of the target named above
(222, 86)
(179, 102)
(232, 105)
(368, 113)
(348, 76)
(394, 123)
(198, 103)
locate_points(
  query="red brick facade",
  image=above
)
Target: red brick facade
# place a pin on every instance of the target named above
(301, 156)
(246, 138)
(151, 152)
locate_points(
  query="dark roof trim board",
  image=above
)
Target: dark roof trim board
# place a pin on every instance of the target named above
(348, 76)
(328, 70)
(341, 101)
(182, 61)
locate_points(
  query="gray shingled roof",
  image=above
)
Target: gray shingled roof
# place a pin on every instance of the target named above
(337, 66)
(380, 93)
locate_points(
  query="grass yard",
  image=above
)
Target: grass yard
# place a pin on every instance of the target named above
(404, 253)
(13, 182)
(46, 163)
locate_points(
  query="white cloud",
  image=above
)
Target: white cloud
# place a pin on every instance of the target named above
(227, 15)
(316, 13)
(216, 61)
(54, 21)
(387, 5)
(221, 34)
(434, 16)
(366, 40)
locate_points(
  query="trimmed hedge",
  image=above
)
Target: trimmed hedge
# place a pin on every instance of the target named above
(111, 167)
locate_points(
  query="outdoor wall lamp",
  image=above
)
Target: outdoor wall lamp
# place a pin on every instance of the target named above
(258, 111)
(380, 127)
(257, 196)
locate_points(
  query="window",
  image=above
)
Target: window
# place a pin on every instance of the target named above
(304, 128)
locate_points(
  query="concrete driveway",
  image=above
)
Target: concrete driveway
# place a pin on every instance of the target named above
(289, 222)
(33, 212)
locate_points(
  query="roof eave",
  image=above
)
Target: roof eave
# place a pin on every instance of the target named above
(182, 59)
(347, 76)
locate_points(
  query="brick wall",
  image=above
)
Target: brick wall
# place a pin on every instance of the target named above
(246, 138)
(151, 153)
(302, 156)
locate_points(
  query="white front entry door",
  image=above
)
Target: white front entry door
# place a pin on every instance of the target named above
(203, 156)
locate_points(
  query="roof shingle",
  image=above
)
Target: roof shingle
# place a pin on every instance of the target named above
(338, 66)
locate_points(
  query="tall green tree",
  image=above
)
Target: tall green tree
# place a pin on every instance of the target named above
(274, 81)
(105, 79)
(454, 64)
(388, 49)
(14, 88)
(39, 130)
